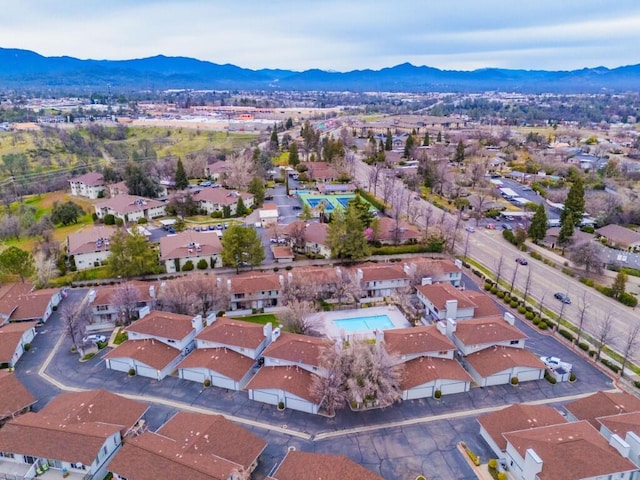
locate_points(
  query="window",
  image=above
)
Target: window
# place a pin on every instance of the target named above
(105, 450)
(514, 342)
(6, 455)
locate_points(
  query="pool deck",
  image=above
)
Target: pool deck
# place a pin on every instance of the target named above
(331, 330)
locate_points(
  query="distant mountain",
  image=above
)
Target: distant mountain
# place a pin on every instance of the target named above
(24, 69)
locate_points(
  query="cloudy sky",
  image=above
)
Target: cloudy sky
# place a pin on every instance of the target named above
(336, 35)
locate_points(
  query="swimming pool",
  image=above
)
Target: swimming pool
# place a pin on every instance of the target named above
(364, 324)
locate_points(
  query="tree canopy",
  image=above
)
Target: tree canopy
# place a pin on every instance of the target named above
(131, 255)
(458, 157)
(346, 236)
(538, 227)
(139, 182)
(574, 204)
(14, 261)
(241, 246)
(256, 188)
(181, 179)
(66, 213)
(294, 156)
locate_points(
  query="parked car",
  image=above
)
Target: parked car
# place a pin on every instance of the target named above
(205, 184)
(212, 227)
(219, 226)
(491, 226)
(94, 339)
(297, 207)
(469, 229)
(563, 297)
(506, 226)
(522, 261)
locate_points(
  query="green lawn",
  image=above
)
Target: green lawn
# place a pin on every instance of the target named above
(261, 319)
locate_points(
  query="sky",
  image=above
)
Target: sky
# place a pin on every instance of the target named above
(338, 35)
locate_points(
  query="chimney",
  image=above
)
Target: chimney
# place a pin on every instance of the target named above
(509, 318)
(452, 325)
(152, 291)
(359, 273)
(451, 307)
(267, 330)
(426, 281)
(143, 312)
(442, 327)
(379, 336)
(92, 295)
(275, 334)
(620, 445)
(532, 464)
(196, 322)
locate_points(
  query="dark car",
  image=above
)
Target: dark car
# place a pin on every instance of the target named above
(564, 298)
(506, 226)
(297, 207)
(522, 261)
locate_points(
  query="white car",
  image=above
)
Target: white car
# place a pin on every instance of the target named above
(469, 229)
(94, 339)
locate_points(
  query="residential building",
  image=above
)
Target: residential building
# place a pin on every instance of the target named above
(479, 334)
(380, 280)
(215, 199)
(156, 344)
(570, 451)
(392, 232)
(251, 290)
(89, 247)
(620, 237)
(308, 238)
(416, 342)
(443, 301)
(189, 246)
(268, 214)
(15, 399)
(623, 432)
(130, 208)
(19, 302)
(303, 465)
(282, 254)
(13, 340)
(321, 172)
(433, 270)
(601, 404)
(102, 301)
(190, 446)
(75, 434)
(320, 282)
(89, 185)
(518, 416)
(291, 349)
(217, 171)
(335, 188)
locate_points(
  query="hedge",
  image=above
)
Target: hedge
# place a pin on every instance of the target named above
(567, 334)
(529, 315)
(542, 325)
(547, 376)
(583, 346)
(371, 199)
(610, 365)
(433, 246)
(628, 299)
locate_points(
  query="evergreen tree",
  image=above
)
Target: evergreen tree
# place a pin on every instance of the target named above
(388, 144)
(256, 188)
(439, 137)
(538, 227)
(619, 285)
(14, 261)
(426, 141)
(241, 209)
(408, 146)
(294, 156)
(289, 123)
(565, 237)
(363, 210)
(574, 204)
(459, 155)
(131, 255)
(274, 140)
(181, 179)
(346, 237)
(241, 246)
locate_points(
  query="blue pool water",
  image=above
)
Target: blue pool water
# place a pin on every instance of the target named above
(314, 202)
(344, 201)
(364, 324)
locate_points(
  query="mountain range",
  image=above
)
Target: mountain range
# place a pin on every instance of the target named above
(24, 69)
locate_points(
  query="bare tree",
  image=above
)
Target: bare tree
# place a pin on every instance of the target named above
(45, 268)
(513, 279)
(295, 290)
(427, 214)
(241, 170)
(331, 385)
(583, 305)
(75, 317)
(499, 265)
(388, 186)
(298, 317)
(374, 376)
(210, 297)
(603, 335)
(630, 344)
(478, 202)
(177, 296)
(348, 286)
(297, 236)
(125, 299)
(587, 254)
(527, 284)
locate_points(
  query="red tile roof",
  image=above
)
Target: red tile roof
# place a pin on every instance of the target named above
(86, 240)
(314, 466)
(90, 178)
(290, 379)
(105, 293)
(494, 360)
(33, 306)
(228, 331)
(163, 324)
(150, 352)
(221, 360)
(10, 337)
(518, 416)
(570, 451)
(10, 296)
(425, 370)
(622, 424)
(416, 340)
(439, 293)
(178, 245)
(125, 203)
(372, 272)
(14, 396)
(603, 404)
(297, 348)
(250, 282)
(220, 196)
(485, 306)
(488, 330)
(282, 252)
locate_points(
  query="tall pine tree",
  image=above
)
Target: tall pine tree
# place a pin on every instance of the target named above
(181, 179)
(459, 155)
(574, 204)
(538, 227)
(408, 146)
(388, 144)
(426, 141)
(294, 157)
(565, 237)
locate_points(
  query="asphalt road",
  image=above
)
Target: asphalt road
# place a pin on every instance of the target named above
(488, 246)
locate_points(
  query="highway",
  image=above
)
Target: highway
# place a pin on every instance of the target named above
(487, 247)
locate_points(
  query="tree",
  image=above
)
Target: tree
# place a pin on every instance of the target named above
(241, 246)
(388, 143)
(256, 188)
(331, 387)
(75, 317)
(619, 285)
(565, 237)
(131, 255)
(289, 123)
(177, 296)
(587, 254)
(426, 141)
(630, 344)
(538, 227)
(346, 237)
(45, 266)
(14, 261)
(582, 318)
(274, 144)
(66, 213)
(181, 179)
(408, 146)
(139, 182)
(574, 203)
(499, 265)
(458, 157)
(604, 334)
(125, 299)
(439, 137)
(241, 210)
(306, 213)
(294, 156)
(298, 317)
(363, 210)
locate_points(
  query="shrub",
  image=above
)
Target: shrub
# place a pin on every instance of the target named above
(142, 221)
(583, 346)
(549, 378)
(101, 345)
(207, 382)
(608, 291)
(636, 384)
(536, 321)
(543, 325)
(494, 290)
(437, 394)
(587, 281)
(566, 271)
(522, 309)
(26, 347)
(513, 303)
(592, 353)
(288, 267)
(572, 377)
(109, 219)
(567, 334)
(493, 463)
(88, 356)
(500, 294)
(502, 476)
(610, 365)
(487, 286)
(634, 272)
(132, 372)
(281, 405)
(588, 229)
(627, 299)
(188, 266)
(535, 255)
(514, 380)
(529, 315)
(202, 264)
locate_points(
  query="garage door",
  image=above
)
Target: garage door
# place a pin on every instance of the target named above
(298, 404)
(529, 374)
(453, 387)
(145, 371)
(420, 392)
(223, 382)
(497, 379)
(193, 375)
(118, 365)
(265, 397)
